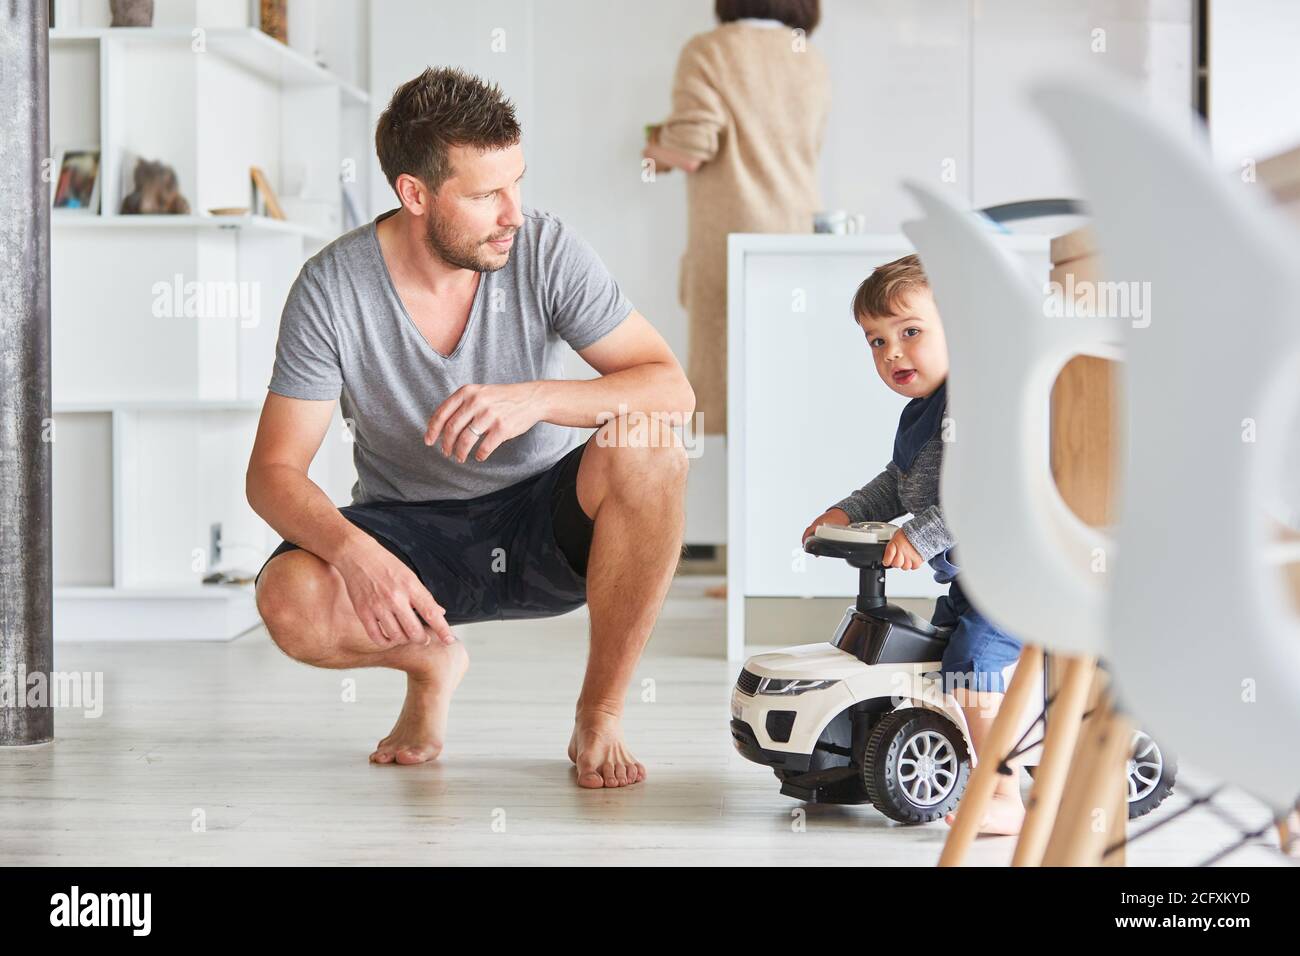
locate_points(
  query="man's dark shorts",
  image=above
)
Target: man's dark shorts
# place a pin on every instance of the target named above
(518, 552)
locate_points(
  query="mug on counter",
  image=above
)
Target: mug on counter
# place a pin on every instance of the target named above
(840, 223)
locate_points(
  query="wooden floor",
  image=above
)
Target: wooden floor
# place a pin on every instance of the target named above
(266, 754)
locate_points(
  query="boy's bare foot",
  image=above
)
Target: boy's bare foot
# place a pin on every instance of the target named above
(717, 591)
(600, 755)
(1004, 816)
(421, 728)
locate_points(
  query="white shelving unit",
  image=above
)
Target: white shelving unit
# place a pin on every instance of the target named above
(164, 327)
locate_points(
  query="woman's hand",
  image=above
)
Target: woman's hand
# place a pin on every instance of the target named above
(899, 553)
(667, 159)
(832, 516)
(497, 413)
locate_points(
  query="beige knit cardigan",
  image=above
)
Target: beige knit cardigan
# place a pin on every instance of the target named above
(751, 103)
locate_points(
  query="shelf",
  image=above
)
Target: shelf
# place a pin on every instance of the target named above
(263, 224)
(181, 592)
(198, 612)
(147, 465)
(247, 48)
(158, 405)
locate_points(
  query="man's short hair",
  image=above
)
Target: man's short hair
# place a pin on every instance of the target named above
(437, 110)
(883, 293)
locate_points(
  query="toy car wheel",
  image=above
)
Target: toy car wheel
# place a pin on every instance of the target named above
(915, 765)
(1151, 774)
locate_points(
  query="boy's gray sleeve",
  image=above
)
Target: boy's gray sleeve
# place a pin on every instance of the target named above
(928, 532)
(877, 500)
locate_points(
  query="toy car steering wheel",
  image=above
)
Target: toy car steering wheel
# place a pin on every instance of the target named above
(861, 544)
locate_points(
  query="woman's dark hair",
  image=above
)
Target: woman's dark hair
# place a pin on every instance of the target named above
(796, 14)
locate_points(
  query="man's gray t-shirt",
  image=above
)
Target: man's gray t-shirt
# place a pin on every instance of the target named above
(345, 334)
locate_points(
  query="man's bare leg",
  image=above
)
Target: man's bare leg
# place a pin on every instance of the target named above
(306, 608)
(636, 495)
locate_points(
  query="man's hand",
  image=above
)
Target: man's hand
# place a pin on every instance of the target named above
(498, 413)
(832, 516)
(390, 600)
(899, 553)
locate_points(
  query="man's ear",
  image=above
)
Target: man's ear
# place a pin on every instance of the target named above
(414, 195)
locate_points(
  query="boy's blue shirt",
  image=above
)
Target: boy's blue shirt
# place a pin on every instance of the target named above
(913, 485)
(921, 420)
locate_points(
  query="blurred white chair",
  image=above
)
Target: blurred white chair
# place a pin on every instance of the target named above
(1026, 559)
(1204, 640)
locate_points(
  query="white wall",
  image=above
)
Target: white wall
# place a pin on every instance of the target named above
(1254, 78)
(929, 88)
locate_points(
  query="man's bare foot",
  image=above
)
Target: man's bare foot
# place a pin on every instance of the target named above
(1004, 815)
(421, 727)
(602, 759)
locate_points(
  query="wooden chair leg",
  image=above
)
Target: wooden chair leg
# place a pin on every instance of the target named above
(1063, 724)
(1098, 774)
(1025, 683)
(1082, 763)
(1117, 831)
(1288, 833)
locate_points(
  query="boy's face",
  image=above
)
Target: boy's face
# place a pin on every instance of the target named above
(909, 349)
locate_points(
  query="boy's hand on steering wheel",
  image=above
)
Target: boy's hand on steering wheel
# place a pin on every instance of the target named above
(831, 516)
(899, 553)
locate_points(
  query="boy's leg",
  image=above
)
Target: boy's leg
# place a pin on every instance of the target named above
(1006, 810)
(976, 654)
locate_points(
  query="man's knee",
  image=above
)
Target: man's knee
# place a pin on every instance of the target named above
(293, 592)
(646, 450)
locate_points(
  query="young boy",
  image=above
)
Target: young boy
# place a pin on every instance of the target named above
(896, 311)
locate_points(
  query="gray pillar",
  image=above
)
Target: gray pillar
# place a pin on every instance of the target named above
(26, 600)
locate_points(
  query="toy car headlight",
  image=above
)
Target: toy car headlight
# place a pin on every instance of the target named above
(789, 687)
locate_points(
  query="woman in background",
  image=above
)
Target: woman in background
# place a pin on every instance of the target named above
(749, 106)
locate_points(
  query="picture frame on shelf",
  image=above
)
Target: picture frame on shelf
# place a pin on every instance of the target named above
(264, 198)
(77, 180)
(272, 18)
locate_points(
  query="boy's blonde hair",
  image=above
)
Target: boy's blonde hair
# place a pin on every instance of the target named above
(882, 293)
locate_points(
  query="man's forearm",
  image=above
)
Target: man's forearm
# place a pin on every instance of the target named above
(653, 388)
(299, 511)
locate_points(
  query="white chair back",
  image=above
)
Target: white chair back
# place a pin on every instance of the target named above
(1205, 643)
(1027, 561)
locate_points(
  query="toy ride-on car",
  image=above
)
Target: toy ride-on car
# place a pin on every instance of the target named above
(865, 719)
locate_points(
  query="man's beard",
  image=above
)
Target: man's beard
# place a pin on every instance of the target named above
(460, 250)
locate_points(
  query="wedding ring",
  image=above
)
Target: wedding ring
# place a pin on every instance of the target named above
(475, 430)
